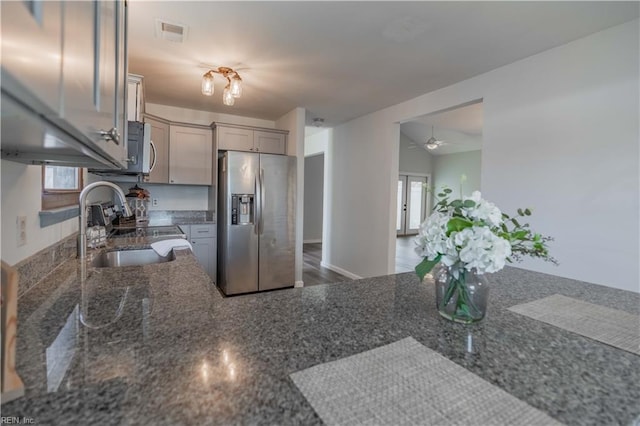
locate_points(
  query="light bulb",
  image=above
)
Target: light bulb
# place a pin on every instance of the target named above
(227, 97)
(236, 86)
(207, 84)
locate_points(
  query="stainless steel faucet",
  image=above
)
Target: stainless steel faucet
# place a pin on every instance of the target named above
(82, 238)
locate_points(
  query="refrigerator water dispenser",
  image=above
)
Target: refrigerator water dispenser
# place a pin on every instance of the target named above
(241, 209)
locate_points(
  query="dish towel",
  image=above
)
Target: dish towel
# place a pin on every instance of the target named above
(165, 246)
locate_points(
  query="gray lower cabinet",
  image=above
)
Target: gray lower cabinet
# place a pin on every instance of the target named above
(203, 240)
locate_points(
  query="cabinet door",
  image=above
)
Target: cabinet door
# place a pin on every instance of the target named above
(31, 48)
(159, 152)
(120, 115)
(231, 138)
(93, 94)
(270, 143)
(190, 155)
(204, 250)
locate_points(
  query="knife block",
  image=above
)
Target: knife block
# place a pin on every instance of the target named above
(12, 386)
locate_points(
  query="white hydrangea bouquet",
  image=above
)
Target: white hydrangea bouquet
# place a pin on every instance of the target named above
(470, 237)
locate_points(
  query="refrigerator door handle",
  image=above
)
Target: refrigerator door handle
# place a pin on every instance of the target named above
(261, 200)
(257, 204)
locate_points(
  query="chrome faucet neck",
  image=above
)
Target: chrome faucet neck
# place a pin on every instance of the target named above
(82, 237)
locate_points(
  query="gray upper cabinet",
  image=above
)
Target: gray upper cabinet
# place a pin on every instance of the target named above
(190, 155)
(94, 94)
(270, 142)
(234, 138)
(181, 153)
(31, 47)
(64, 75)
(159, 151)
(245, 138)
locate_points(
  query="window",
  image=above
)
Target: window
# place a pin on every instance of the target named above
(61, 186)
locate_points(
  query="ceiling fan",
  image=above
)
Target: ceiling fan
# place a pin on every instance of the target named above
(433, 143)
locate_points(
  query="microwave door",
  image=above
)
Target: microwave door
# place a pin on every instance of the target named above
(146, 149)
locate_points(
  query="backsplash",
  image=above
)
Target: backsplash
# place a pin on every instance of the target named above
(34, 268)
(173, 217)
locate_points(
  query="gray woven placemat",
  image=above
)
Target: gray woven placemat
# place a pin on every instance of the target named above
(606, 325)
(406, 383)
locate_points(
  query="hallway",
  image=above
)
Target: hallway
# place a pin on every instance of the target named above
(406, 257)
(312, 272)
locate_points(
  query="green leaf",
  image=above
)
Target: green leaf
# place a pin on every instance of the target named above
(456, 203)
(449, 293)
(457, 224)
(469, 204)
(527, 212)
(515, 222)
(442, 195)
(520, 235)
(447, 191)
(424, 267)
(520, 212)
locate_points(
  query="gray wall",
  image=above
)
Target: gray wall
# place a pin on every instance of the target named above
(449, 168)
(413, 159)
(313, 192)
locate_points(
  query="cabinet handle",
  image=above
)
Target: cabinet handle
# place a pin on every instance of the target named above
(110, 135)
(171, 180)
(155, 156)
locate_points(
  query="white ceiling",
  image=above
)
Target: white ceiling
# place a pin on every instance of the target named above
(341, 60)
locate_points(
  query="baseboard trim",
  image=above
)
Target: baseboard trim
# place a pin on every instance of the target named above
(299, 284)
(340, 271)
(311, 241)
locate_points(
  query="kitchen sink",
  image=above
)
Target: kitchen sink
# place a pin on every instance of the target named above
(116, 258)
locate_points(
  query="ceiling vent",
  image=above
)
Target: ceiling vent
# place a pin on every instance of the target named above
(171, 31)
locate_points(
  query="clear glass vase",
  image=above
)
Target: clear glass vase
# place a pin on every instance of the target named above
(461, 295)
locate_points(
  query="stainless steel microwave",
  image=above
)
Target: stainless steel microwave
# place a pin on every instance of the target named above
(139, 147)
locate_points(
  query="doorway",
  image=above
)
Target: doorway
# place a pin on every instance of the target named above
(411, 203)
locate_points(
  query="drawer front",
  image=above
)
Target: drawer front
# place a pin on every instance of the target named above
(203, 231)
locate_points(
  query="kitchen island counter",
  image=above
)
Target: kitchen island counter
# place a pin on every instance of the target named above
(176, 352)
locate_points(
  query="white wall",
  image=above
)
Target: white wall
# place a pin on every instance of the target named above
(313, 194)
(294, 122)
(560, 135)
(21, 196)
(449, 168)
(413, 159)
(316, 143)
(363, 157)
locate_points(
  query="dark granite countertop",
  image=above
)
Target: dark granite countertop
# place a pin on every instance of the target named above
(164, 347)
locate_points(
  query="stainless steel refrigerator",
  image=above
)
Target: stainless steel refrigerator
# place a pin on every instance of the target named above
(256, 222)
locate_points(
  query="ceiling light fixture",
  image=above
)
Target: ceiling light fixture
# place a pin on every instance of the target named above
(432, 143)
(233, 88)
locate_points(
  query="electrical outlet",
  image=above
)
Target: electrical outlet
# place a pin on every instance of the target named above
(21, 230)
(154, 202)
